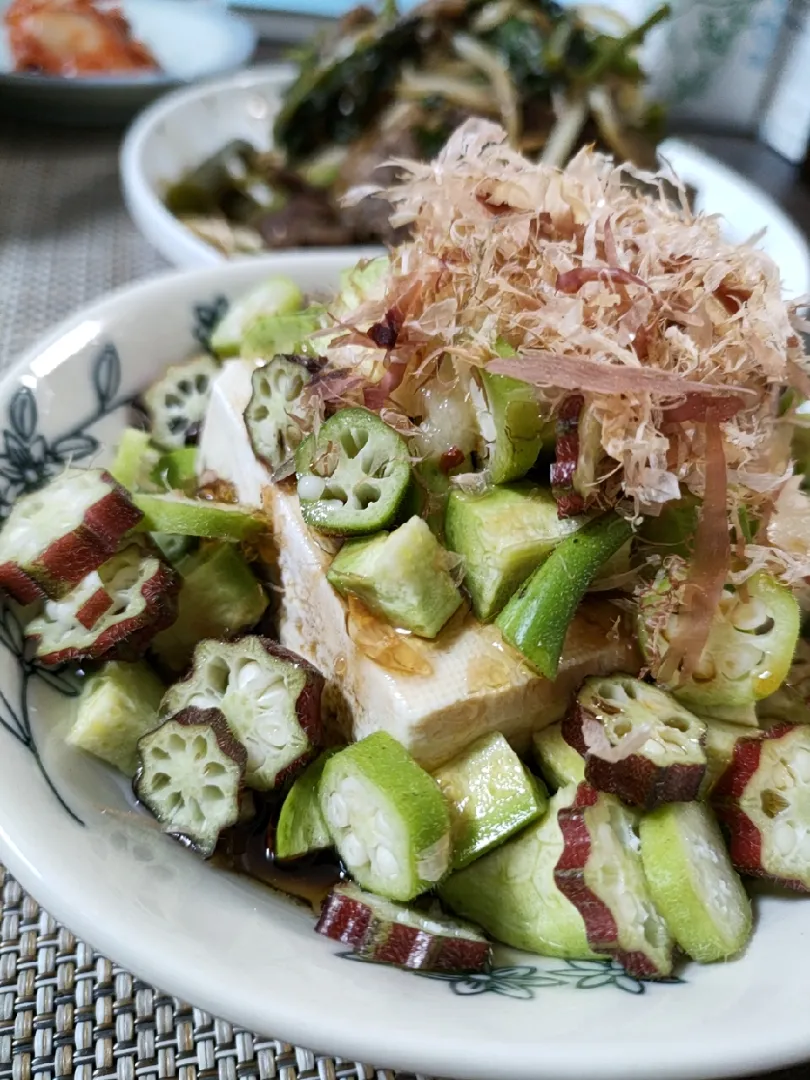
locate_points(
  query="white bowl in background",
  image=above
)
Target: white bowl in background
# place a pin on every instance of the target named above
(190, 39)
(180, 131)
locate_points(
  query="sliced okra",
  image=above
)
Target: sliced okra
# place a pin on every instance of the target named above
(763, 801)
(669, 762)
(190, 776)
(511, 425)
(601, 873)
(276, 296)
(270, 698)
(113, 615)
(749, 649)
(352, 475)
(387, 818)
(177, 402)
(574, 474)
(559, 762)
(791, 702)
(390, 933)
(275, 417)
(55, 537)
(135, 461)
(693, 883)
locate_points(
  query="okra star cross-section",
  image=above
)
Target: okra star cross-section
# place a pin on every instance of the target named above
(476, 684)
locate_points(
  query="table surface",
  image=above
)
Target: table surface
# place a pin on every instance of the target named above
(65, 239)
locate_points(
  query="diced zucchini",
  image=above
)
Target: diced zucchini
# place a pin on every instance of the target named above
(276, 296)
(219, 597)
(387, 817)
(268, 335)
(511, 425)
(503, 536)
(559, 763)
(172, 512)
(512, 894)
(135, 460)
(673, 531)
(116, 707)
(301, 827)
(401, 576)
(490, 795)
(693, 883)
(174, 547)
(177, 470)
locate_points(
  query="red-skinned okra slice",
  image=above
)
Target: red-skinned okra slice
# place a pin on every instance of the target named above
(270, 697)
(112, 616)
(390, 933)
(352, 476)
(55, 537)
(600, 872)
(190, 775)
(663, 760)
(763, 800)
(578, 453)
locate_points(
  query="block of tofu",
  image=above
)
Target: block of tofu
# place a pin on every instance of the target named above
(477, 684)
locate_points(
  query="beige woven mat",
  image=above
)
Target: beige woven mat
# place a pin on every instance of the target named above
(65, 239)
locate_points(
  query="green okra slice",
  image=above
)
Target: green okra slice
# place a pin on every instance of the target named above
(512, 894)
(190, 775)
(559, 763)
(536, 619)
(402, 576)
(276, 296)
(693, 883)
(273, 335)
(503, 535)
(749, 650)
(490, 796)
(301, 827)
(135, 461)
(365, 281)
(220, 597)
(178, 401)
(352, 475)
(172, 512)
(117, 706)
(275, 417)
(387, 818)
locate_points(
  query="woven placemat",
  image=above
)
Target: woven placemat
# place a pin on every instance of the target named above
(65, 1011)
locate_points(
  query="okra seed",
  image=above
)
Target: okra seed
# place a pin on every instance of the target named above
(784, 837)
(385, 862)
(354, 850)
(337, 811)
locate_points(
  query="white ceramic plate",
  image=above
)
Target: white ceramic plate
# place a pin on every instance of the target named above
(190, 39)
(187, 126)
(240, 951)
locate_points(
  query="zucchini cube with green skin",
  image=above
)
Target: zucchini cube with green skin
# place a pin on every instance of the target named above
(220, 597)
(401, 576)
(276, 296)
(693, 883)
(117, 706)
(301, 826)
(512, 894)
(749, 650)
(270, 697)
(387, 818)
(503, 535)
(353, 475)
(135, 461)
(365, 281)
(269, 335)
(559, 763)
(176, 470)
(490, 795)
(511, 425)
